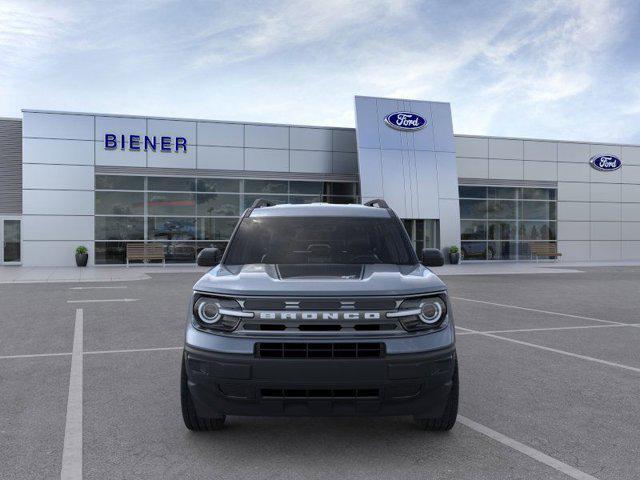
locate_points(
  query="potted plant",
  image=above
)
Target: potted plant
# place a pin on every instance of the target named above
(82, 256)
(454, 255)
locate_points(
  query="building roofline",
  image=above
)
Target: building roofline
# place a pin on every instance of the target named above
(180, 119)
(549, 140)
(11, 118)
(402, 99)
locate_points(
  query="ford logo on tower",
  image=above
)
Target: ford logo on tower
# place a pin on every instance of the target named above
(605, 163)
(405, 121)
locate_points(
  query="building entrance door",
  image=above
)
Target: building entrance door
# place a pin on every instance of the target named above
(10, 240)
(423, 233)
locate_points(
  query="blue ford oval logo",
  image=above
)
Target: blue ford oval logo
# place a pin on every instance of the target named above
(405, 121)
(605, 163)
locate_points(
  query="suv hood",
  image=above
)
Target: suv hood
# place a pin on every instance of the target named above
(265, 280)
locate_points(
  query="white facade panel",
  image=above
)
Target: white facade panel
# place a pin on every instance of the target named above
(311, 139)
(266, 160)
(172, 128)
(425, 139)
(602, 192)
(597, 149)
(547, 171)
(506, 149)
(449, 223)
(630, 193)
(67, 152)
(120, 126)
(344, 162)
(447, 175)
(220, 158)
(597, 176)
(429, 204)
(57, 177)
(220, 134)
(506, 169)
(367, 121)
(266, 136)
(573, 231)
(574, 152)
(52, 253)
(630, 250)
(310, 161)
(119, 157)
(630, 174)
(57, 125)
(57, 202)
(472, 147)
(574, 211)
(544, 151)
(173, 159)
(606, 251)
(631, 231)
(573, 192)
(370, 183)
(395, 172)
(574, 251)
(574, 172)
(390, 139)
(473, 167)
(442, 127)
(56, 227)
(630, 212)
(605, 212)
(344, 141)
(630, 155)
(605, 231)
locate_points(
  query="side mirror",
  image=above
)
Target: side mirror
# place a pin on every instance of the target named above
(209, 257)
(432, 257)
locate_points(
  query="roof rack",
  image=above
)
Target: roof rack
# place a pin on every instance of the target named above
(376, 202)
(261, 202)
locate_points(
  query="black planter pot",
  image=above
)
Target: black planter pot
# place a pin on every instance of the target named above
(454, 258)
(81, 259)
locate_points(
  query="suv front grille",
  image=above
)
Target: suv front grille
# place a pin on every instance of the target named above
(319, 350)
(322, 393)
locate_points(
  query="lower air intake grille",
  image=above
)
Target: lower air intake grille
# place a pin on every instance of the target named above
(319, 350)
(328, 393)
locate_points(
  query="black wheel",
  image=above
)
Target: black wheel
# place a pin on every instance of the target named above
(191, 419)
(448, 418)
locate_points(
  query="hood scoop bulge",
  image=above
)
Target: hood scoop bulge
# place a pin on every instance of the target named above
(324, 271)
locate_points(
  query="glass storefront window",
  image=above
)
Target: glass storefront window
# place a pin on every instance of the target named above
(210, 204)
(502, 225)
(119, 228)
(119, 203)
(171, 228)
(186, 214)
(171, 204)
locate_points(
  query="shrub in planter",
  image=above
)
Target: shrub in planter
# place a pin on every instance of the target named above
(82, 256)
(454, 255)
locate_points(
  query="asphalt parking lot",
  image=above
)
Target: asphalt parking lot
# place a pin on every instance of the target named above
(549, 371)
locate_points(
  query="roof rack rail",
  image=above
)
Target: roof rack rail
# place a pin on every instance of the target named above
(261, 202)
(376, 202)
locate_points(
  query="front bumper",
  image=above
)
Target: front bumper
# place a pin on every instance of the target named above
(222, 383)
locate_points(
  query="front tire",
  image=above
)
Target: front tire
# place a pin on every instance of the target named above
(191, 419)
(448, 418)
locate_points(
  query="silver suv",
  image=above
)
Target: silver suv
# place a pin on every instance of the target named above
(319, 310)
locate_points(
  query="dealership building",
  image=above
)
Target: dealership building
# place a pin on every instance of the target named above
(106, 181)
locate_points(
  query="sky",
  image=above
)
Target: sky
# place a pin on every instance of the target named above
(540, 69)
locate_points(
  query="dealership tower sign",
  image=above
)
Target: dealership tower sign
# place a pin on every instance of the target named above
(405, 121)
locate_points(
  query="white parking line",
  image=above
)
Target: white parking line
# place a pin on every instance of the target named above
(106, 300)
(72, 449)
(538, 311)
(35, 355)
(160, 349)
(98, 288)
(526, 450)
(554, 350)
(545, 329)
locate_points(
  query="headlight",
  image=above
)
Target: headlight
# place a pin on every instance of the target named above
(218, 313)
(422, 313)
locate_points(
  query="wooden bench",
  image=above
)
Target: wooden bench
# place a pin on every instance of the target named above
(544, 250)
(140, 251)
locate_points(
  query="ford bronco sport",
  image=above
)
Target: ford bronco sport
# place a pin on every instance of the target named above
(318, 310)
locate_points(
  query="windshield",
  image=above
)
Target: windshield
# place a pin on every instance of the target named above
(320, 240)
